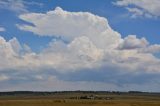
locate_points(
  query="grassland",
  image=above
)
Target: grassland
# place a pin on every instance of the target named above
(72, 99)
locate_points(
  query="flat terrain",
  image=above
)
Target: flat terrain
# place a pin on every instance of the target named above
(81, 99)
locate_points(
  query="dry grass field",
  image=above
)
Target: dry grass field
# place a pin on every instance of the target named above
(46, 102)
(66, 100)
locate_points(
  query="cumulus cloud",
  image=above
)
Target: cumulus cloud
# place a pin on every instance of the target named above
(151, 49)
(8, 52)
(144, 8)
(70, 25)
(131, 42)
(92, 42)
(93, 48)
(142, 45)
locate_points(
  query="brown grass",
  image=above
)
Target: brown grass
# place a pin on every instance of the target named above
(63, 100)
(69, 102)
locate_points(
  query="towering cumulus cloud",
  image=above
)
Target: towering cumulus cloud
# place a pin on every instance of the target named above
(92, 48)
(70, 25)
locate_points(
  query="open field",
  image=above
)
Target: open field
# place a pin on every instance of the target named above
(47, 102)
(74, 99)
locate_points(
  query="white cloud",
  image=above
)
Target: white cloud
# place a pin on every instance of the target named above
(142, 45)
(92, 46)
(13, 5)
(87, 48)
(2, 29)
(151, 49)
(70, 25)
(145, 8)
(80, 53)
(131, 42)
(8, 52)
(19, 6)
(136, 12)
(91, 43)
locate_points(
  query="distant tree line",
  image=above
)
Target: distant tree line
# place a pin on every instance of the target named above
(38, 93)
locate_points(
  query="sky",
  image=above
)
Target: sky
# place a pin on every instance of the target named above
(62, 45)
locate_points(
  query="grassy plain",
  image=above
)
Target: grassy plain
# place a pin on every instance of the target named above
(66, 99)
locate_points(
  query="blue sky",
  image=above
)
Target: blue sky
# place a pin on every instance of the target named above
(97, 44)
